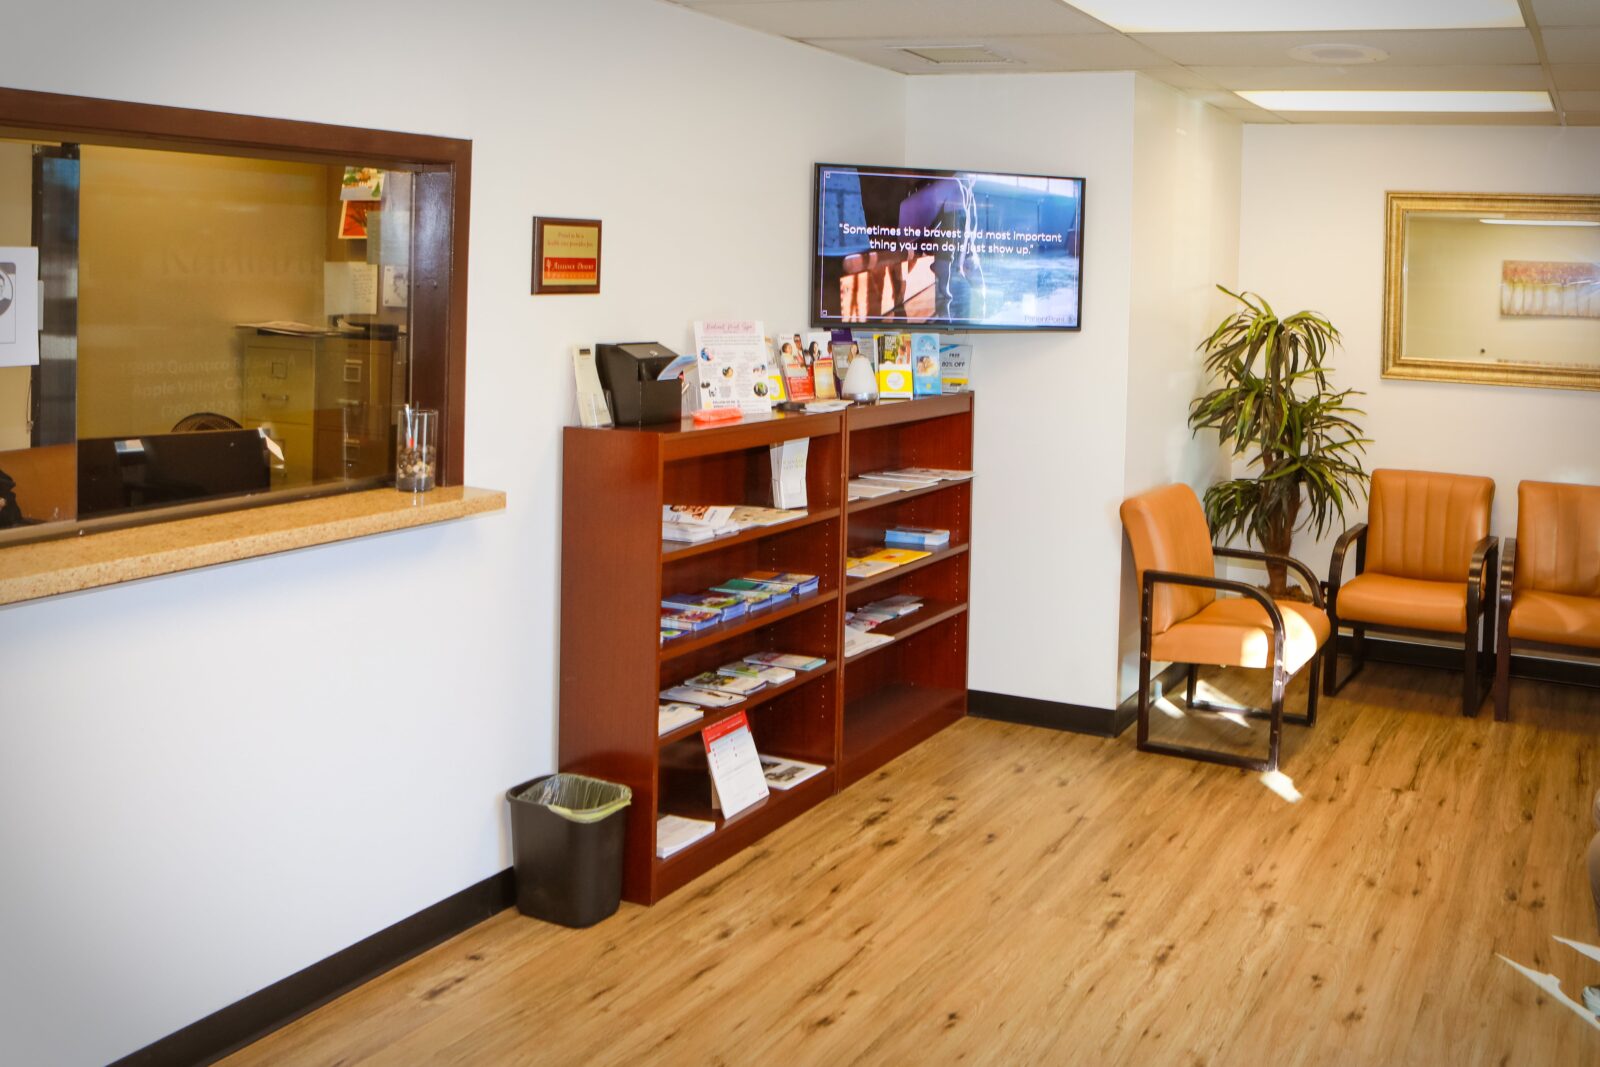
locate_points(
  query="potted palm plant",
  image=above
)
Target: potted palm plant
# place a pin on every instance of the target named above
(1273, 405)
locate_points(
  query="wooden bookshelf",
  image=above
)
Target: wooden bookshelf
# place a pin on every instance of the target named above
(849, 716)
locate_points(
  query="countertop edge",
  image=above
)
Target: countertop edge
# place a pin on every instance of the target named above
(75, 564)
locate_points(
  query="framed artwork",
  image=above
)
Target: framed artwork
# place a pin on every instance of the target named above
(1493, 289)
(566, 255)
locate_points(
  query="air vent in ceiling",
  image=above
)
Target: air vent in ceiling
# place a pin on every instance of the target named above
(1343, 55)
(954, 54)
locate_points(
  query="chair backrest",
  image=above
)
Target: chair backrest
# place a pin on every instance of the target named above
(1558, 538)
(1425, 525)
(1168, 531)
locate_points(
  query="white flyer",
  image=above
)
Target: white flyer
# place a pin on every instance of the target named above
(19, 307)
(732, 366)
(737, 780)
(592, 410)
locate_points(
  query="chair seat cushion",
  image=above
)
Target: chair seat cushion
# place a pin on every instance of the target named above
(1408, 602)
(1235, 632)
(1555, 618)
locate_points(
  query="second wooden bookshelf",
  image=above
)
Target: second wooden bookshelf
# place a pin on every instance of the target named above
(851, 716)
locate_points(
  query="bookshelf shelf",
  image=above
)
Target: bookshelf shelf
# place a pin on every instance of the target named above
(672, 551)
(750, 703)
(714, 635)
(846, 716)
(732, 835)
(869, 503)
(891, 719)
(854, 585)
(932, 614)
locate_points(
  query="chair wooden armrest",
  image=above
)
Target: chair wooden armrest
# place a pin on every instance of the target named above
(1502, 635)
(1227, 585)
(1484, 568)
(1306, 574)
(1356, 535)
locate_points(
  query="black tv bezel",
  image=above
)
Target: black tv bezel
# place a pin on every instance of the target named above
(812, 270)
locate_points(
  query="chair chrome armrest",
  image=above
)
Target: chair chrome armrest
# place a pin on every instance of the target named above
(1306, 574)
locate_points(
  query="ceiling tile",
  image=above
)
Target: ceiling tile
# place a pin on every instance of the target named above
(1376, 76)
(1576, 75)
(1409, 47)
(1573, 44)
(1179, 77)
(1581, 100)
(954, 20)
(1566, 12)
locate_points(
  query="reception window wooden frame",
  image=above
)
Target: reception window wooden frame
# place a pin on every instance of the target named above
(443, 169)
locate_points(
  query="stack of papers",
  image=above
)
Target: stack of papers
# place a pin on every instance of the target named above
(674, 833)
(671, 716)
(793, 661)
(858, 641)
(859, 489)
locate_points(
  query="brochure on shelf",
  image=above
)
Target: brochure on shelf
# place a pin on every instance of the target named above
(782, 773)
(683, 694)
(732, 366)
(792, 660)
(857, 641)
(734, 765)
(592, 409)
(789, 472)
(894, 366)
(955, 367)
(671, 716)
(925, 364)
(674, 833)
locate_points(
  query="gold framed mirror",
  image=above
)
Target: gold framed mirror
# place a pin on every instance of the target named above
(1493, 289)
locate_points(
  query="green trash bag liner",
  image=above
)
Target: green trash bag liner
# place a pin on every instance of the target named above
(578, 797)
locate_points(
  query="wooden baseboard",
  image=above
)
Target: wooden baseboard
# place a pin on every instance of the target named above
(1074, 718)
(230, 1029)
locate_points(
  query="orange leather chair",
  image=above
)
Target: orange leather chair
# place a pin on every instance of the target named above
(1182, 620)
(1423, 559)
(1550, 596)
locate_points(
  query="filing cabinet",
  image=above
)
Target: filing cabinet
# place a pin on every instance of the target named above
(325, 401)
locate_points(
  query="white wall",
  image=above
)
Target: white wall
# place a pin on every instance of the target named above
(1185, 243)
(1312, 237)
(1050, 407)
(212, 780)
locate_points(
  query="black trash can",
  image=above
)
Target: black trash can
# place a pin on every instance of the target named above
(567, 832)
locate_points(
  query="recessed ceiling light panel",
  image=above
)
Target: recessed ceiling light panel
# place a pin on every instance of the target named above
(1421, 102)
(1341, 55)
(1274, 16)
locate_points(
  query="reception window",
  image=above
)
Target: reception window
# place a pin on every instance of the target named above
(219, 324)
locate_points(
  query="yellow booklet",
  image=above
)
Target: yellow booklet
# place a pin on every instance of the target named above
(894, 557)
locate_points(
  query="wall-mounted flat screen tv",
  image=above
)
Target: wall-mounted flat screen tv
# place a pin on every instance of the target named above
(946, 249)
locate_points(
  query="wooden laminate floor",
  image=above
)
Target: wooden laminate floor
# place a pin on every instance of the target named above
(1010, 895)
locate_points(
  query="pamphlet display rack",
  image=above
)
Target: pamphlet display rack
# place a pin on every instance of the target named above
(850, 716)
